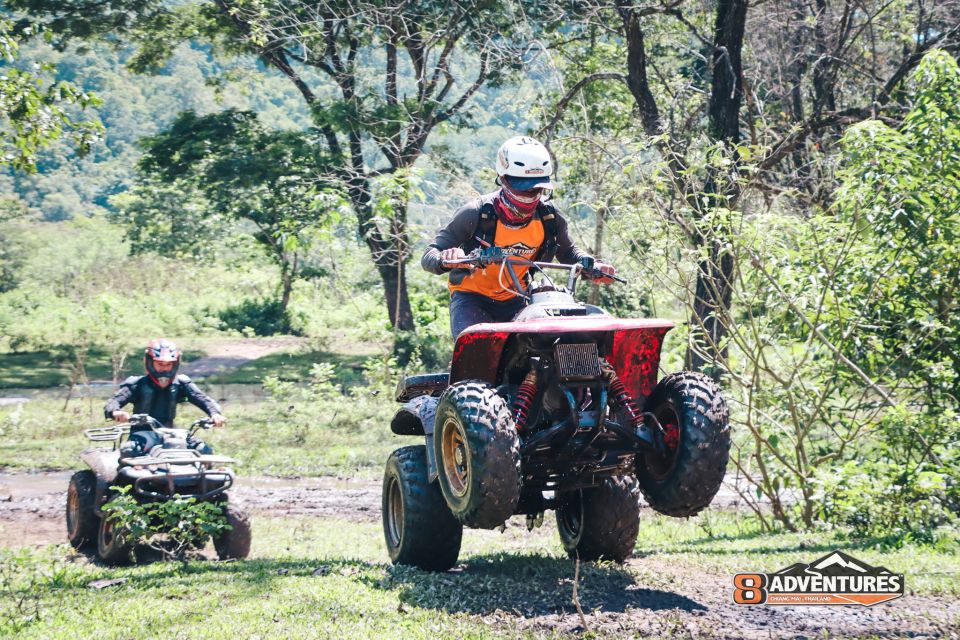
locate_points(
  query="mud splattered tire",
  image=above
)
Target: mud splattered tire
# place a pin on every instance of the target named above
(82, 520)
(234, 543)
(683, 482)
(417, 524)
(112, 548)
(601, 522)
(478, 455)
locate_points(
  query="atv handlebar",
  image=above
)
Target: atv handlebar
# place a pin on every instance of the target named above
(146, 420)
(495, 255)
(202, 423)
(487, 256)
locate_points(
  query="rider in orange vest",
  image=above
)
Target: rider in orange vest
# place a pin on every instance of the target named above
(519, 219)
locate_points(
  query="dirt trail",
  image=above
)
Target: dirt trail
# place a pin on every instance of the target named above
(667, 597)
(654, 596)
(232, 354)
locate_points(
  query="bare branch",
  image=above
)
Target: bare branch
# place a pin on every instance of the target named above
(547, 130)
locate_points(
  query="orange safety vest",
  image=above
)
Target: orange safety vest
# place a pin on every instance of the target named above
(522, 241)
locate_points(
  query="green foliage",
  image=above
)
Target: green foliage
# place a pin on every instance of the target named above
(258, 317)
(229, 166)
(900, 490)
(431, 346)
(173, 527)
(80, 295)
(164, 220)
(845, 313)
(902, 188)
(320, 427)
(328, 577)
(23, 580)
(35, 112)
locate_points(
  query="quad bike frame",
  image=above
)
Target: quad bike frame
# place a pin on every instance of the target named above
(557, 438)
(169, 470)
(561, 409)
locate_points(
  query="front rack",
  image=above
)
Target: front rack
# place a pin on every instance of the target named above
(107, 434)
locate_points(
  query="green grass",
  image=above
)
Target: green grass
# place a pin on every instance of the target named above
(45, 369)
(726, 541)
(348, 437)
(330, 578)
(42, 369)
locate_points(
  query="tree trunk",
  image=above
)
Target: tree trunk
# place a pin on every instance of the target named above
(389, 250)
(393, 273)
(714, 289)
(287, 287)
(711, 305)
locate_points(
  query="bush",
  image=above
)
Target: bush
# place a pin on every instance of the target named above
(260, 317)
(898, 492)
(183, 523)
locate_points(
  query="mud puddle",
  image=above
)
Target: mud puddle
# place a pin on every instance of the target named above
(32, 504)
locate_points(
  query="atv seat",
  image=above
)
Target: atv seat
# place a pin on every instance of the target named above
(425, 384)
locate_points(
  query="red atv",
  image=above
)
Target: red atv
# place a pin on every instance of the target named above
(558, 409)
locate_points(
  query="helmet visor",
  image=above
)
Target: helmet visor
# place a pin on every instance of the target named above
(528, 184)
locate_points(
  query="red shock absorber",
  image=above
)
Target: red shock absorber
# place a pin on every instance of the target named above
(521, 404)
(621, 398)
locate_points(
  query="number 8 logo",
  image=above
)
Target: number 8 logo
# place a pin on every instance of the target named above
(749, 588)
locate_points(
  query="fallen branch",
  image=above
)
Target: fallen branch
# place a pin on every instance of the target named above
(576, 596)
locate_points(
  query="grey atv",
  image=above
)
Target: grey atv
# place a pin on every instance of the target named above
(169, 469)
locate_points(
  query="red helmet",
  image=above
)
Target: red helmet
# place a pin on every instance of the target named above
(161, 360)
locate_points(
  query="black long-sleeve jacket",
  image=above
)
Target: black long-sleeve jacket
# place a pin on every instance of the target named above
(161, 404)
(460, 231)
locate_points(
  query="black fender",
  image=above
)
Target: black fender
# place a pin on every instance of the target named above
(415, 418)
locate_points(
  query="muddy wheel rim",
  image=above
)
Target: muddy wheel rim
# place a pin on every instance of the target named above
(106, 533)
(73, 511)
(660, 465)
(394, 513)
(456, 461)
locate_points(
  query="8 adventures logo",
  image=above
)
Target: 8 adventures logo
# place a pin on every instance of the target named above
(833, 579)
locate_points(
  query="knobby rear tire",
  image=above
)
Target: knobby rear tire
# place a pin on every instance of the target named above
(112, 547)
(601, 523)
(82, 520)
(234, 543)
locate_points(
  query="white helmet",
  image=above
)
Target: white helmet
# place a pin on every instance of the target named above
(526, 163)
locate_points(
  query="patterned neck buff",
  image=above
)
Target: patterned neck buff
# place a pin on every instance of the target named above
(517, 207)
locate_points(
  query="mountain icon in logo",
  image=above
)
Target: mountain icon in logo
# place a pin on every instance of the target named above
(834, 564)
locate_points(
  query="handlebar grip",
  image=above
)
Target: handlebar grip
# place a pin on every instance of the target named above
(596, 273)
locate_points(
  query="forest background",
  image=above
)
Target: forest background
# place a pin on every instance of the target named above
(780, 178)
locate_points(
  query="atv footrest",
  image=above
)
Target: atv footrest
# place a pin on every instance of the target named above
(427, 384)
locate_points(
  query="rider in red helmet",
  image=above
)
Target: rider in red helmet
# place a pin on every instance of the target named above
(518, 218)
(157, 394)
